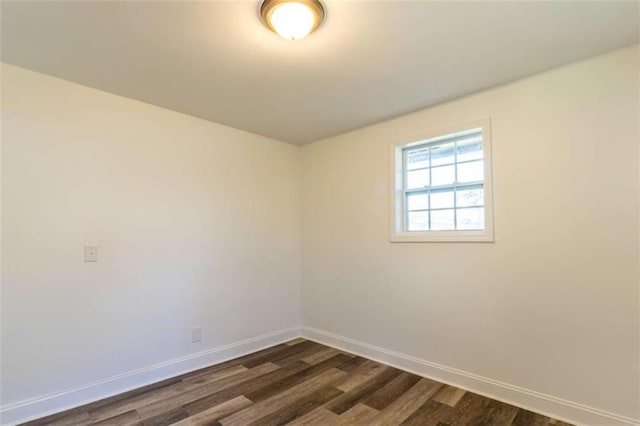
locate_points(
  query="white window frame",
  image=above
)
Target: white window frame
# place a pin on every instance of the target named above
(397, 211)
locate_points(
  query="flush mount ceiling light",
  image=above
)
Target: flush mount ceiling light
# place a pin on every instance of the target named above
(292, 19)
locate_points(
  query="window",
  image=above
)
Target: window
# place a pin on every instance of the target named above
(442, 187)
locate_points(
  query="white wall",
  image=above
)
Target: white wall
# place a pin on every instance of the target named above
(198, 225)
(552, 305)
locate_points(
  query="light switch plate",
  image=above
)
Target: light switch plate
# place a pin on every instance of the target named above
(90, 253)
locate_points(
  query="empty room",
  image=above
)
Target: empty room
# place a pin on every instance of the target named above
(320, 212)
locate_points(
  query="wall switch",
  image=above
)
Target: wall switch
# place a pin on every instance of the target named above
(90, 253)
(196, 335)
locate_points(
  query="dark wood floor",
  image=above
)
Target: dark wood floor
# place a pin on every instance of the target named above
(298, 383)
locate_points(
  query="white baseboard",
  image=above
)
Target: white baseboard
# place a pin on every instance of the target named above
(548, 405)
(535, 401)
(53, 403)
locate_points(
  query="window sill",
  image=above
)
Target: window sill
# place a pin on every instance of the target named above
(442, 237)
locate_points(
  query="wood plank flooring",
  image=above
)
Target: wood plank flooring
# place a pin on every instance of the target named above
(298, 383)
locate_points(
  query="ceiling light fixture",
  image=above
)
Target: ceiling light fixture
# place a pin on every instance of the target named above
(292, 19)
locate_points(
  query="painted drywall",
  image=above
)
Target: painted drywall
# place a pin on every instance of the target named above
(198, 225)
(552, 305)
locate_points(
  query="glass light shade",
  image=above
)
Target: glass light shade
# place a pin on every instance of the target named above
(292, 19)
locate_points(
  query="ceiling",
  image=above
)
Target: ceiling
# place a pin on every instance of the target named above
(370, 61)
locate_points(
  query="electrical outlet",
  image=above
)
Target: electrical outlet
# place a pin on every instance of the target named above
(196, 335)
(90, 253)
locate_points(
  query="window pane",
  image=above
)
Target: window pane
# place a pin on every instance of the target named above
(418, 221)
(469, 197)
(418, 201)
(442, 175)
(418, 158)
(442, 154)
(442, 200)
(470, 149)
(471, 172)
(442, 220)
(417, 179)
(471, 218)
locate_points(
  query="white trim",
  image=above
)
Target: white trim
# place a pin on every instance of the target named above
(45, 405)
(548, 405)
(396, 209)
(551, 406)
